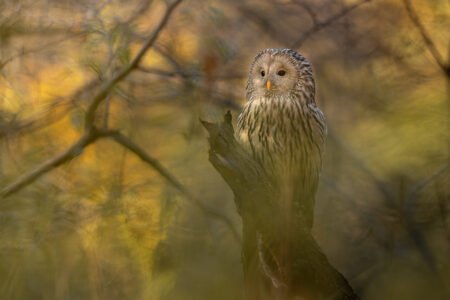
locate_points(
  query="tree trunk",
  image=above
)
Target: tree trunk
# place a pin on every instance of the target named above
(281, 258)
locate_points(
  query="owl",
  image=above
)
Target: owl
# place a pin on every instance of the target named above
(283, 129)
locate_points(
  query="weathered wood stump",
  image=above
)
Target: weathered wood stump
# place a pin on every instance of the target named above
(281, 260)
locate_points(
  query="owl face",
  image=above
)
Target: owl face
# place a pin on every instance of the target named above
(279, 72)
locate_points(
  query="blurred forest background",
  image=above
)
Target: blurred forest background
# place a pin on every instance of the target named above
(106, 191)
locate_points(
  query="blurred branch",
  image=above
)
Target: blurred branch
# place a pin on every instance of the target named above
(309, 10)
(426, 38)
(409, 204)
(444, 210)
(433, 177)
(321, 25)
(156, 165)
(140, 10)
(180, 72)
(92, 135)
(72, 152)
(170, 59)
(362, 166)
(56, 110)
(164, 73)
(364, 215)
(40, 48)
(261, 19)
(105, 89)
(183, 74)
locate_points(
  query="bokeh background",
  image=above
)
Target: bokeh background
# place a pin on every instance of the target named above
(108, 225)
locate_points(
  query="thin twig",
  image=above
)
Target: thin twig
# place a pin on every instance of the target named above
(261, 19)
(184, 75)
(426, 38)
(130, 145)
(364, 215)
(107, 86)
(55, 111)
(410, 224)
(309, 10)
(40, 48)
(424, 183)
(170, 59)
(140, 10)
(381, 186)
(321, 25)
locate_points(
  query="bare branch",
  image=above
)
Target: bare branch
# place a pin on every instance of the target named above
(92, 134)
(72, 152)
(90, 137)
(184, 75)
(364, 215)
(424, 183)
(309, 10)
(156, 165)
(56, 110)
(260, 18)
(170, 59)
(321, 25)
(410, 224)
(164, 73)
(107, 86)
(426, 38)
(381, 186)
(40, 48)
(140, 10)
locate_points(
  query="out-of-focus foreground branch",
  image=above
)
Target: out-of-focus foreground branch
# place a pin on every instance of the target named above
(323, 24)
(92, 134)
(155, 164)
(65, 156)
(410, 224)
(445, 67)
(106, 88)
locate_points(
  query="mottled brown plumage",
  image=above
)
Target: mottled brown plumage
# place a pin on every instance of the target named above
(283, 128)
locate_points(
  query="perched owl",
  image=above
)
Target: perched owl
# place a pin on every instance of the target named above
(282, 127)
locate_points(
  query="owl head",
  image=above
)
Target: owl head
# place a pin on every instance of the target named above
(280, 72)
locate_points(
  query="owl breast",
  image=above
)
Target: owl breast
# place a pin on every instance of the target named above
(286, 136)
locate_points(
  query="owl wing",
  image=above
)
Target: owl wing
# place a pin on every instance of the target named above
(306, 194)
(318, 126)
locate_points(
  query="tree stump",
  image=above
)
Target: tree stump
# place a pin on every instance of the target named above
(280, 260)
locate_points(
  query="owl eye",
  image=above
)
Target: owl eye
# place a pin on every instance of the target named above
(281, 72)
(263, 73)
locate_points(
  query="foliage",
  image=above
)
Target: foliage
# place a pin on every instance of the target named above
(139, 213)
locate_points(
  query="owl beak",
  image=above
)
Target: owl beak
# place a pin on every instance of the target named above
(268, 85)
